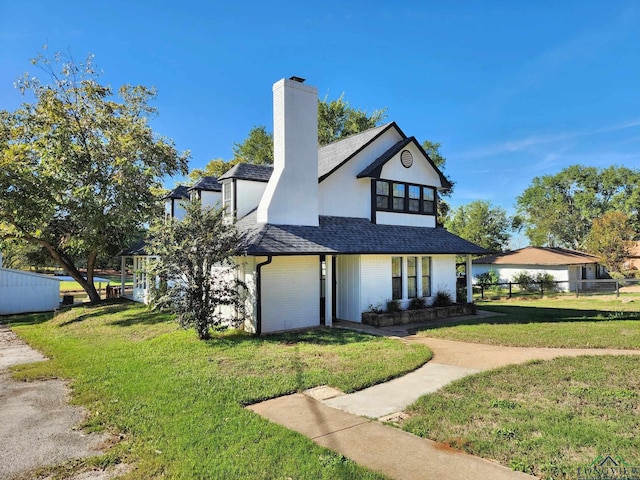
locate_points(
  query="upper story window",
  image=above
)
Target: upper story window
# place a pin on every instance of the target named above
(226, 198)
(405, 197)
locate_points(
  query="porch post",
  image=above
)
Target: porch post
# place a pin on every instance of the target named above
(123, 264)
(328, 291)
(469, 276)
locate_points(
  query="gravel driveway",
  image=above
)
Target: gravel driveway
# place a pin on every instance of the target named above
(36, 421)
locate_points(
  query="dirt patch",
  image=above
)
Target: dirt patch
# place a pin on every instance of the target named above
(39, 427)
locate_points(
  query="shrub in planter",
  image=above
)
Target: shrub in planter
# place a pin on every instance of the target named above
(417, 304)
(443, 299)
(393, 306)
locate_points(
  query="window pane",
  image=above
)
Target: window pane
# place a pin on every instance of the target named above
(412, 287)
(411, 266)
(414, 191)
(398, 190)
(396, 288)
(396, 278)
(429, 207)
(414, 205)
(396, 266)
(426, 276)
(398, 203)
(428, 193)
(382, 188)
(382, 201)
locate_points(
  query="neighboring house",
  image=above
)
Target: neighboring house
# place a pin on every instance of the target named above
(330, 232)
(633, 260)
(564, 265)
(25, 292)
(174, 202)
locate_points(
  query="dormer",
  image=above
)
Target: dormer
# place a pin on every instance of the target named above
(174, 202)
(404, 185)
(208, 190)
(242, 188)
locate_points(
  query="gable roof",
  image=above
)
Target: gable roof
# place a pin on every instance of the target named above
(375, 169)
(179, 193)
(347, 235)
(538, 256)
(334, 155)
(249, 171)
(209, 184)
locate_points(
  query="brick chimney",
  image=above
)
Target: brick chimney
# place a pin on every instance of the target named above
(291, 196)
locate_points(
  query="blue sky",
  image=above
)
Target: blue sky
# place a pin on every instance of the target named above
(512, 90)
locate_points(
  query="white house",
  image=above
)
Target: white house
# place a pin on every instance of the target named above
(566, 266)
(329, 232)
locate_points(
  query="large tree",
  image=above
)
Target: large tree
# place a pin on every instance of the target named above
(80, 166)
(433, 150)
(611, 238)
(481, 223)
(196, 267)
(558, 210)
(336, 120)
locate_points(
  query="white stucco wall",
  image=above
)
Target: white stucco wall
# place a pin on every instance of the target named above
(443, 275)
(290, 293)
(290, 197)
(23, 292)
(211, 199)
(248, 196)
(178, 208)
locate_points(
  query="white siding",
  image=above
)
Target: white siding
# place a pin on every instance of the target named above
(376, 281)
(341, 193)
(22, 292)
(393, 218)
(420, 171)
(290, 293)
(443, 275)
(348, 287)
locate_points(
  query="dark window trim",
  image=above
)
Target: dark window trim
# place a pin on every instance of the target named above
(422, 200)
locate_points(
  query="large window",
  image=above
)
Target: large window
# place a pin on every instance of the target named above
(405, 198)
(412, 277)
(396, 278)
(426, 276)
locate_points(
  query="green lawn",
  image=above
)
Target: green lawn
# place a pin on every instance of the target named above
(178, 401)
(546, 418)
(586, 322)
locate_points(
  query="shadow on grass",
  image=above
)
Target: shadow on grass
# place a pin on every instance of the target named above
(142, 318)
(108, 307)
(26, 319)
(512, 314)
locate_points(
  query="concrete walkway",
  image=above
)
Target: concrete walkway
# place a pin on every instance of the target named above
(344, 423)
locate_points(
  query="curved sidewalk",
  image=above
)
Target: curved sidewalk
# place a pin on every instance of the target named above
(344, 423)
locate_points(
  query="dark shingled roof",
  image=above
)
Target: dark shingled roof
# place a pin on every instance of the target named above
(180, 192)
(249, 171)
(135, 250)
(209, 184)
(347, 235)
(333, 156)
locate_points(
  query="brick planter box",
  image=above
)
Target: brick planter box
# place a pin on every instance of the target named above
(416, 316)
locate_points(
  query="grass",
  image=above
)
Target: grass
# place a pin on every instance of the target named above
(586, 322)
(544, 418)
(178, 402)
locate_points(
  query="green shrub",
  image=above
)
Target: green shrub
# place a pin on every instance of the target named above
(488, 278)
(525, 280)
(393, 306)
(546, 280)
(417, 303)
(443, 299)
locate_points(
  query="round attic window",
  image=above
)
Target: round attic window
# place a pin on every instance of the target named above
(406, 158)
